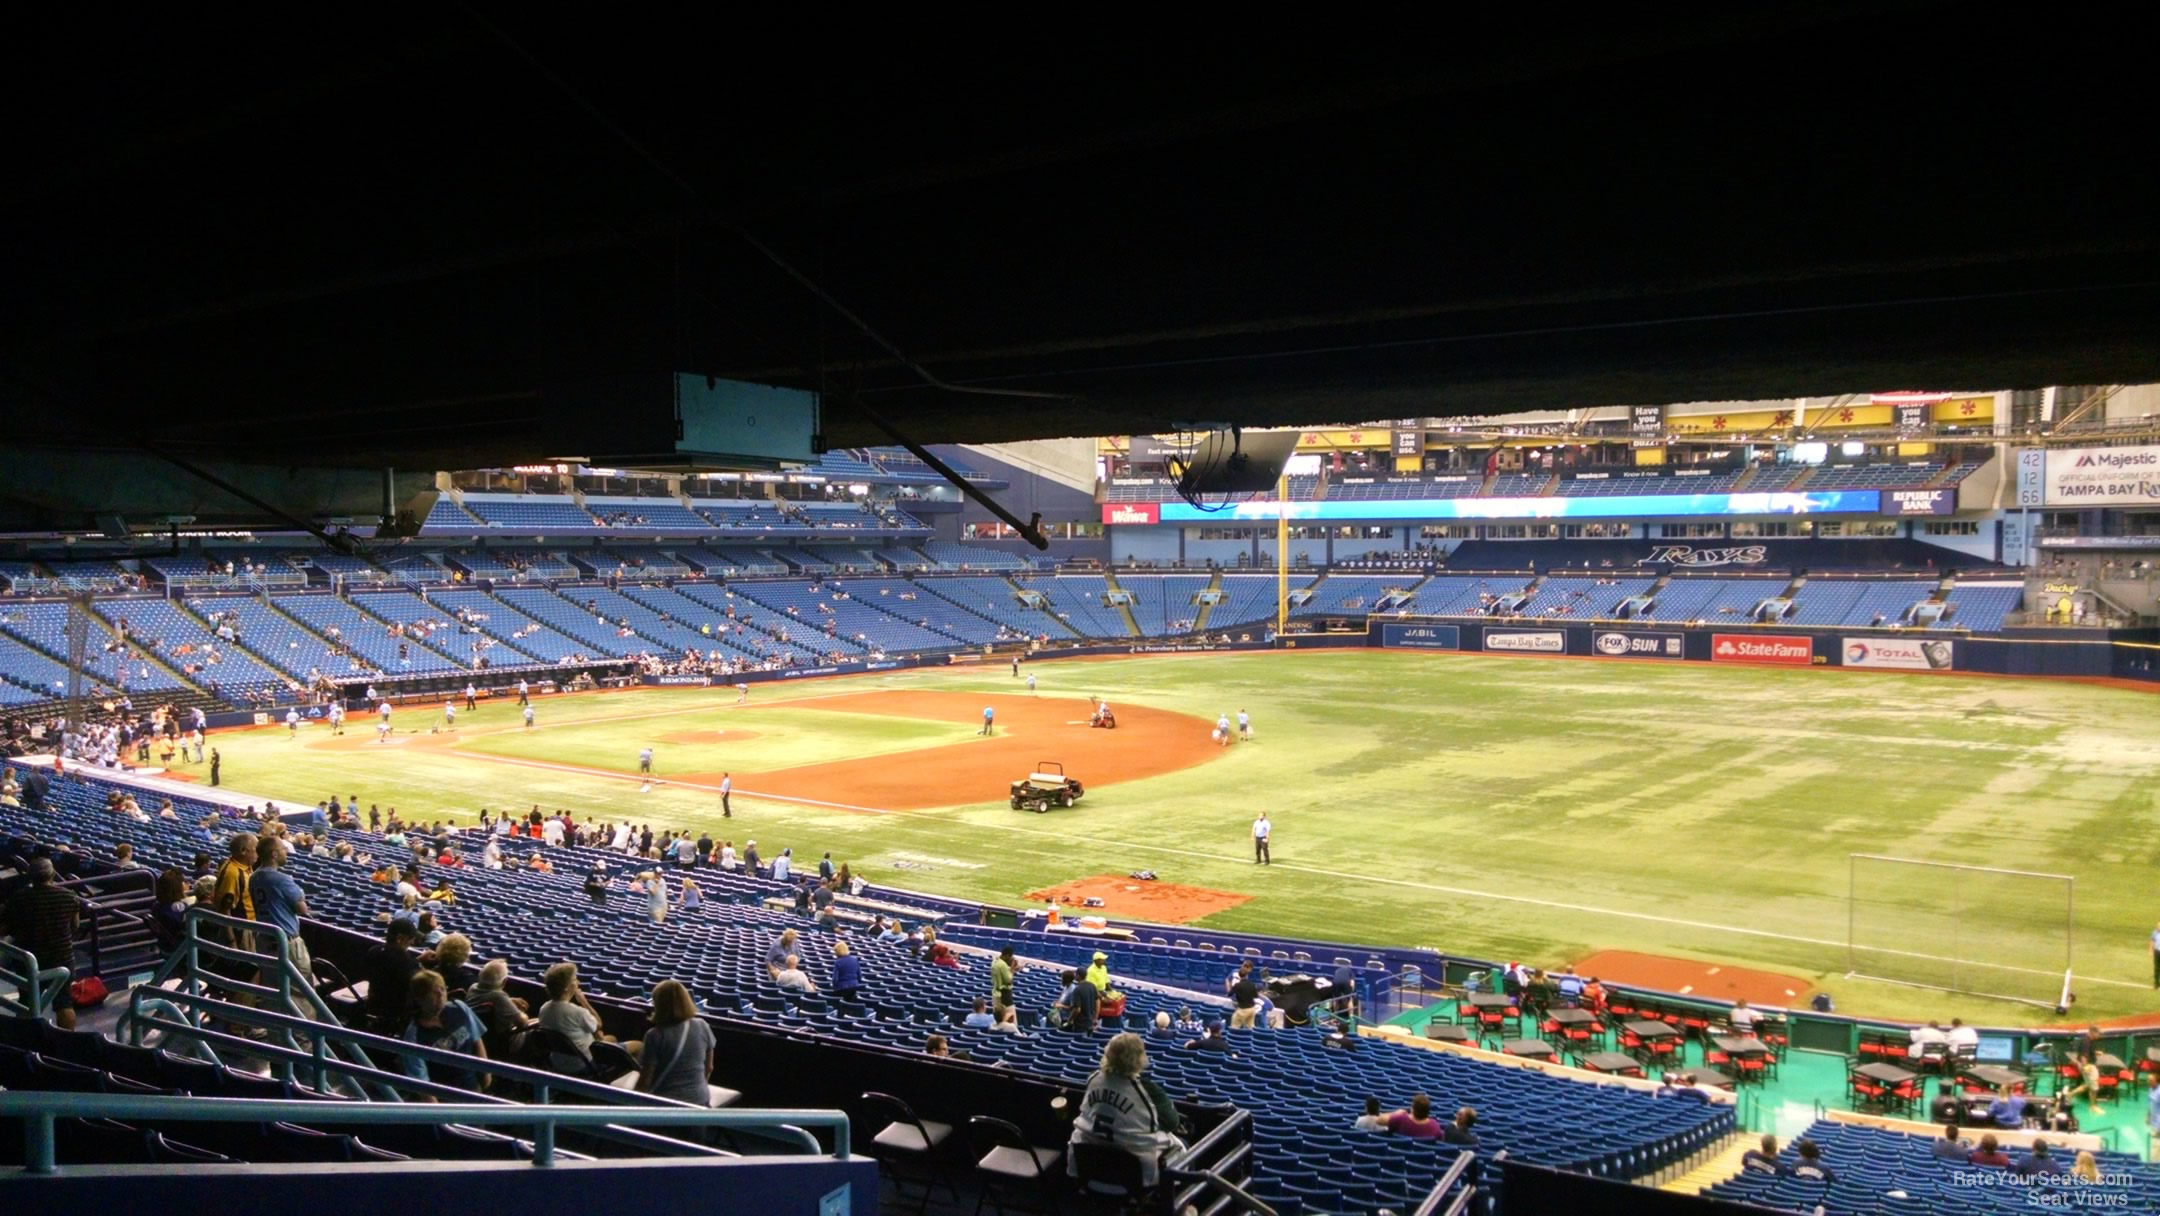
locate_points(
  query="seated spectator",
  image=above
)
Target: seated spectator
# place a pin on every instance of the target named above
(1416, 1122)
(1370, 1121)
(570, 1015)
(451, 959)
(1950, 1148)
(1210, 1040)
(2087, 1168)
(934, 1045)
(942, 955)
(2039, 1161)
(1125, 1107)
(124, 857)
(980, 1018)
(1810, 1165)
(446, 1025)
(2008, 1109)
(1762, 1159)
(1743, 1018)
(503, 1020)
(1009, 1021)
(1989, 1153)
(431, 933)
(893, 934)
(1925, 1037)
(677, 1059)
(1462, 1130)
(792, 978)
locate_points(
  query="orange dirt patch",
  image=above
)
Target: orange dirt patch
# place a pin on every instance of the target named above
(1693, 977)
(1163, 902)
(709, 736)
(1147, 743)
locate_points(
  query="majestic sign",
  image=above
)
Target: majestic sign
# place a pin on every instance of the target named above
(1689, 555)
(1904, 654)
(1132, 513)
(1761, 648)
(2103, 477)
(1620, 644)
(1919, 502)
(1421, 637)
(1523, 641)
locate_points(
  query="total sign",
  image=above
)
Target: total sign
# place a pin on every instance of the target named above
(1761, 648)
(1902, 654)
(1620, 645)
(1144, 513)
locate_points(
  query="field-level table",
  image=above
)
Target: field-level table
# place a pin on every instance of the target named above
(1994, 1076)
(1647, 1031)
(1888, 1074)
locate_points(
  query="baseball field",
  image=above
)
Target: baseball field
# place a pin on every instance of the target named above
(1686, 825)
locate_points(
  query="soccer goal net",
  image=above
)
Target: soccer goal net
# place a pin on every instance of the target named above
(1960, 928)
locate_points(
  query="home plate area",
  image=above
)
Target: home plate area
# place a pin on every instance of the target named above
(1138, 899)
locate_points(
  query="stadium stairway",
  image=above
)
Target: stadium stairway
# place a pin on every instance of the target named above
(1207, 607)
(1132, 623)
(1717, 1164)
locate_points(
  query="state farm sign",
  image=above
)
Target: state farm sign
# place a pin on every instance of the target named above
(1753, 648)
(1132, 513)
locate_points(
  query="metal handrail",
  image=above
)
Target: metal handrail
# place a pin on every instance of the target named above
(26, 975)
(1440, 1189)
(1202, 1178)
(139, 1019)
(39, 1110)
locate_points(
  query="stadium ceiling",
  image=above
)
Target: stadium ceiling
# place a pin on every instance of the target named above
(378, 243)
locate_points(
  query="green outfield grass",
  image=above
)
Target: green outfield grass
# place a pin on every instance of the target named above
(1500, 807)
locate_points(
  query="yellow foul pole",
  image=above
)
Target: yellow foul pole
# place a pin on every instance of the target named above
(1282, 553)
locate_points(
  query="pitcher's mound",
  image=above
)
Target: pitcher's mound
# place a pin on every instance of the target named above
(1137, 899)
(1693, 977)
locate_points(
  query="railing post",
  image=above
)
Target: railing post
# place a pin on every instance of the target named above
(319, 1046)
(38, 1144)
(543, 1141)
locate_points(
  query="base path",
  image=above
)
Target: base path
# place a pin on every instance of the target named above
(1146, 743)
(1137, 899)
(1693, 977)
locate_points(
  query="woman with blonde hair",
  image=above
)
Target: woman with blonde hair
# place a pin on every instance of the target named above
(2087, 1167)
(1125, 1107)
(677, 1061)
(693, 896)
(452, 957)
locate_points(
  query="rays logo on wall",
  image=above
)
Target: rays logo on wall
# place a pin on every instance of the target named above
(1689, 555)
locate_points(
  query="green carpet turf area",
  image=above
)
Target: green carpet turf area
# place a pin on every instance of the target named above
(1491, 806)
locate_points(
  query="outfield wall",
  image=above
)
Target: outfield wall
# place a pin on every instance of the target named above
(2077, 653)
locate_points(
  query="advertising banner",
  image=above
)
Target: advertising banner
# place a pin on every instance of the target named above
(1646, 424)
(2031, 477)
(1521, 641)
(1153, 449)
(1903, 654)
(2103, 477)
(1628, 644)
(1632, 506)
(1132, 513)
(1410, 440)
(1422, 637)
(1761, 648)
(1919, 502)
(1701, 558)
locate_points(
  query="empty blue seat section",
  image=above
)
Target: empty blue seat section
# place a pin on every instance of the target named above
(44, 627)
(997, 601)
(661, 514)
(830, 613)
(1892, 601)
(520, 633)
(367, 635)
(1980, 609)
(1162, 603)
(528, 511)
(959, 556)
(165, 629)
(1077, 599)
